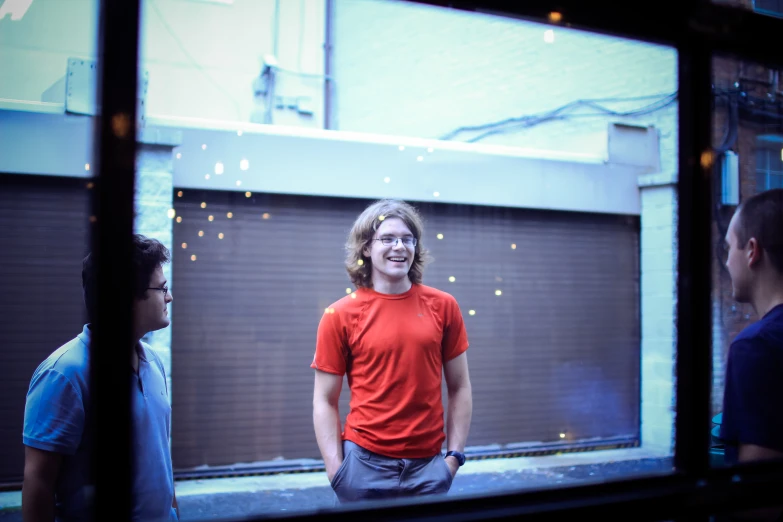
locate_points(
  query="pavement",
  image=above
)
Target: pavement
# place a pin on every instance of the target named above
(213, 499)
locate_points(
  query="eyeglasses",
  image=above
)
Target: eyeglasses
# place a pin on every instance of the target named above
(392, 241)
(164, 289)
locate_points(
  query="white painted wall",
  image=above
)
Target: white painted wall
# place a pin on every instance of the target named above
(201, 56)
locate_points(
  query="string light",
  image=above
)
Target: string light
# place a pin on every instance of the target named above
(184, 245)
(86, 166)
(498, 292)
(179, 194)
(472, 312)
(549, 36)
(248, 194)
(203, 204)
(179, 155)
(193, 257)
(230, 215)
(265, 215)
(244, 164)
(419, 158)
(93, 219)
(401, 147)
(452, 279)
(562, 435)
(513, 246)
(206, 176)
(171, 213)
(360, 262)
(430, 150)
(220, 235)
(211, 218)
(239, 133)
(200, 233)
(381, 217)
(555, 17)
(239, 182)
(90, 185)
(440, 236)
(436, 194)
(204, 146)
(218, 168)
(347, 290)
(353, 296)
(179, 219)
(386, 179)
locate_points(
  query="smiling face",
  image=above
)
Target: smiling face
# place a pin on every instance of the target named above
(391, 263)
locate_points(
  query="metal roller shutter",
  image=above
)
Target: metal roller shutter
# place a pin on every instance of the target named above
(44, 236)
(554, 358)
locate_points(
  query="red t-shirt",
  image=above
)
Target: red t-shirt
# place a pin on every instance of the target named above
(393, 348)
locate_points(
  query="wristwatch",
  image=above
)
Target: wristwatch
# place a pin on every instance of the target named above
(457, 455)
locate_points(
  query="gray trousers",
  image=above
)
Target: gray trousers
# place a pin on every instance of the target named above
(365, 475)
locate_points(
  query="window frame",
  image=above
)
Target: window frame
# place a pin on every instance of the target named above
(698, 30)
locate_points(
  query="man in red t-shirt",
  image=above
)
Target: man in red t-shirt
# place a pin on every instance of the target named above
(393, 337)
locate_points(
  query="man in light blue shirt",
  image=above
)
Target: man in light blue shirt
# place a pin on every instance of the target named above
(58, 422)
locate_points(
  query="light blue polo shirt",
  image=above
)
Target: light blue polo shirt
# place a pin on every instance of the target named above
(57, 413)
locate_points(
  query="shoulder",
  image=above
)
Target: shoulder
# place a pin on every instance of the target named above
(768, 330)
(70, 360)
(351, 304)
(438, 298)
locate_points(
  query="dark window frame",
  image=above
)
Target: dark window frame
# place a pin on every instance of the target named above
(698, 29)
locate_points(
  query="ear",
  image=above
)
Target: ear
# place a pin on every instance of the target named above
(754, 252)
(366, 251)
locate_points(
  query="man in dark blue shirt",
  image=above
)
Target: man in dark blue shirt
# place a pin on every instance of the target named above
(752, 427)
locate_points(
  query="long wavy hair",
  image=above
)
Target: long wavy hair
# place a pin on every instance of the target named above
(358, 265)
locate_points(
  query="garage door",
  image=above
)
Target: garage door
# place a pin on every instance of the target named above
(44, 237)
(550, 300)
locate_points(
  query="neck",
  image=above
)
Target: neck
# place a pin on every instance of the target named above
(384, 286)
(768, 295)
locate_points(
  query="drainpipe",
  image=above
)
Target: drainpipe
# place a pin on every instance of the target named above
(328, 64)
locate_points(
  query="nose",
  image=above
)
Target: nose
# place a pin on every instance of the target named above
(169, 297)
(398, 244)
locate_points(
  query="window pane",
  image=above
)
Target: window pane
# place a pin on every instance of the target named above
(47, 112)
(748, 325)
(544, 170)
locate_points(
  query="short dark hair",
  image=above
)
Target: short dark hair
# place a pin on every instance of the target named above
(761, 217)
(148, 255)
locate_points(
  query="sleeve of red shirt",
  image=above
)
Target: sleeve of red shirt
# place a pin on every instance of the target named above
(330, 344)
(455, 338)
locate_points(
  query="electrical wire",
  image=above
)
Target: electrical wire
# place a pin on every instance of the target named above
(562, 113)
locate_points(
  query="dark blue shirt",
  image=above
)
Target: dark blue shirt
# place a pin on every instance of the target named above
(57, 419)
(753, 396)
